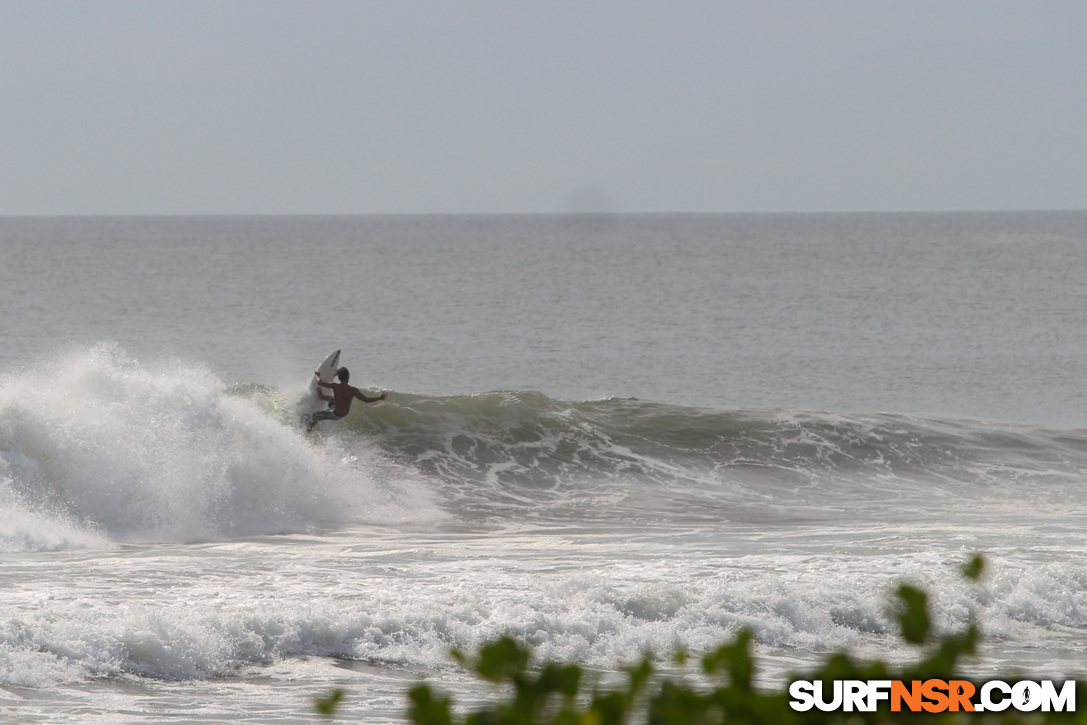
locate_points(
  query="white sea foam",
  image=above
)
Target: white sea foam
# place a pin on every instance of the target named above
(252, 607)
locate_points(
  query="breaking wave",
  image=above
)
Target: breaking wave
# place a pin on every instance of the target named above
(99, 448)
(111, 450)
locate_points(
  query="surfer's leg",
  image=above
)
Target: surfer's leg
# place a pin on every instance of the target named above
(322, 415)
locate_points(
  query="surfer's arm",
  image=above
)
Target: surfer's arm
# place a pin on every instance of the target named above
(322, 383)
(365, 399)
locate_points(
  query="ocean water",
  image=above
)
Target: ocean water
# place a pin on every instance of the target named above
(603, 434)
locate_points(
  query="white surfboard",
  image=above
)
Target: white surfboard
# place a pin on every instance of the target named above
(327, 371)
(311, 400)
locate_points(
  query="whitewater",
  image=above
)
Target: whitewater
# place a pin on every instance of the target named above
(603, 435)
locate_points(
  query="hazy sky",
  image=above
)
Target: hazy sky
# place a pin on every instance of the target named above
(270, 106)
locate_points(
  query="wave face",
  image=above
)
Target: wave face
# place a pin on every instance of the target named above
(97, 448)
(522, 453)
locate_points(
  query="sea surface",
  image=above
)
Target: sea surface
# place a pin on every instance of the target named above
(604, 435)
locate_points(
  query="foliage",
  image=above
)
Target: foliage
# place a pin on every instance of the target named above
(326, 706)
(722, 692)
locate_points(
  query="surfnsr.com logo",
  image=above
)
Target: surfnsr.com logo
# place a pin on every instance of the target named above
(932, 696)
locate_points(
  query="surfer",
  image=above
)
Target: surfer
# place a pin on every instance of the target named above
(342, 395)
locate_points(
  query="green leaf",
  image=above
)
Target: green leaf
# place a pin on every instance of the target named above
(326, 706)
(426, 709)
(735, 659)
(973, 568)
(913, 615)
(503, 659)
(562, 679)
